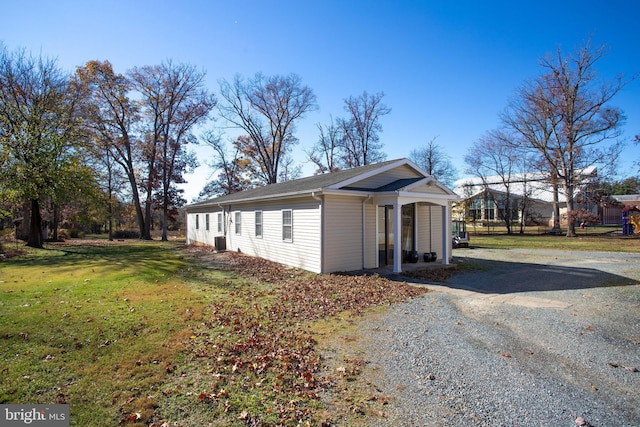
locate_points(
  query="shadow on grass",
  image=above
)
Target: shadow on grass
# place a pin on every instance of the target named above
(146, 260)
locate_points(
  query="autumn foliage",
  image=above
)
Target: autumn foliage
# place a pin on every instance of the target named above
(258, 342)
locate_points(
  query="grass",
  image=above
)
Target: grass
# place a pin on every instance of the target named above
(94, 326)
(139, 333)
(143, 333)
(590, 240)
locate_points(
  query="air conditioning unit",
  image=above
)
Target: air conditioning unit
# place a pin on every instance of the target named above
(220, 243)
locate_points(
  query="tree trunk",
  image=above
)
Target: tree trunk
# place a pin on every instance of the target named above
(56, 220)
(35, 226)
(146, 233)
(556, 209)
(571, 223)
(165, 216)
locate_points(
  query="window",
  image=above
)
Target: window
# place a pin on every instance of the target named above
(197, 221)
(206, 222)
(258, 223)
(238, 222)
(489, 213)
(219, 223)
(475, 209)
(287, 225)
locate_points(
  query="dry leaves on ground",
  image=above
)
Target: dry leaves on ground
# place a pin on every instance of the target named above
(261, 341)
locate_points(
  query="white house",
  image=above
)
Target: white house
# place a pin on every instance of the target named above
(342, 221)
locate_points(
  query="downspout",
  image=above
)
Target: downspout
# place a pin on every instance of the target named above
(364, 231)
(224, 226)
(322, 248)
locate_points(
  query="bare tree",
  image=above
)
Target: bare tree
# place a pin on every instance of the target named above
(267, 109)
(361, 129)
(435, 162)
(564, 116)
(495, 161)
(232, 166)
(173, 101)
(325, 153)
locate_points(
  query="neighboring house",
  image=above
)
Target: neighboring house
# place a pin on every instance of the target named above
(342, 221)
(482, 200)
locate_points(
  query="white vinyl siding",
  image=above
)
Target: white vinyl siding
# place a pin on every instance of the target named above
(200, 234)
(429, 224)
(343, 233)
(303, 251)
(371, 237)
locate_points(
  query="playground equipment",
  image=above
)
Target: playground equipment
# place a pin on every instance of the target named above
(630, 220)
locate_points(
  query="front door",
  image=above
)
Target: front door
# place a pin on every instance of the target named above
(385, 232)
(385, 235)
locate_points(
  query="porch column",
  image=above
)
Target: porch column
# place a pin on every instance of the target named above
(446, 233)
(397, 237)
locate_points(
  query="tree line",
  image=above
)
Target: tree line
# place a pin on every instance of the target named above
(97, 146)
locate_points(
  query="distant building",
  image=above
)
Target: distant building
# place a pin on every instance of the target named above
(530, 196)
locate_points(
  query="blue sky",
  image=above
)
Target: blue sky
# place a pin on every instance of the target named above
(447, 68)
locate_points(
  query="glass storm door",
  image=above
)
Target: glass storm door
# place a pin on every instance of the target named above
(385, 235)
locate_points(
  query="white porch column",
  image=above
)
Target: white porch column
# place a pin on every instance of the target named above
(397, 237)
(446, 233)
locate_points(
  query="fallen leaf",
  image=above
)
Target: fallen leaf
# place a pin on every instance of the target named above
(589, 328)
(631, 368)
(613, 364)
(506, 355)
(582, 422)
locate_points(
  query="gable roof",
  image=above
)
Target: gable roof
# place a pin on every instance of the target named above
(535, 185)
(335, 180)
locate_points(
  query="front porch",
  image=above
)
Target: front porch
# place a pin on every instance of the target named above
(412, 223)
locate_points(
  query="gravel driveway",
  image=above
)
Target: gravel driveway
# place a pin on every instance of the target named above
(534, 338)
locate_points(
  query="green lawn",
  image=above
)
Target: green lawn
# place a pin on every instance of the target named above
(93, 326)
(139, 333)
(599, 239)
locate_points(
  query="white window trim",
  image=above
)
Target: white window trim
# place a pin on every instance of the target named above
(237, 226)
(290, 225)
(206, 222)
(220, 222)
(197, 222)
(255, 217)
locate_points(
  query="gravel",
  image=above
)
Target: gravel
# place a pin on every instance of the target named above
(540, 340)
